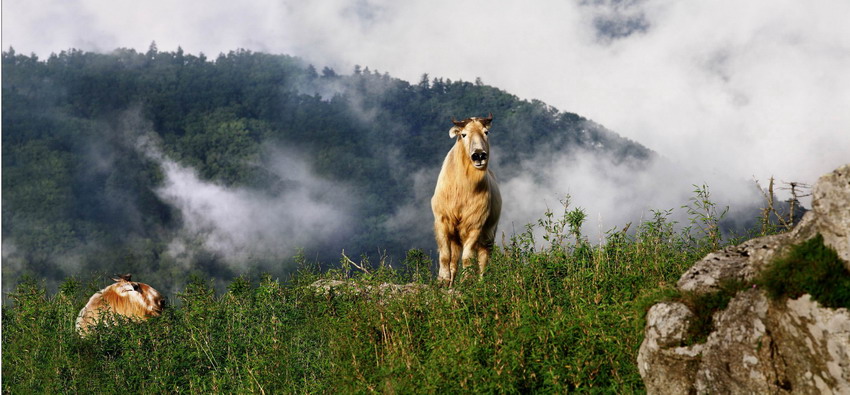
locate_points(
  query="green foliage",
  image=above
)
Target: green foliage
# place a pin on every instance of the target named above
(809, 268)
(416, 267)
(704, 216)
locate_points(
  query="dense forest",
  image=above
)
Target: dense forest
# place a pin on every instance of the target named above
(167, 163)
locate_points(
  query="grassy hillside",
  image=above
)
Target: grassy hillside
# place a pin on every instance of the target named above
(562, 318)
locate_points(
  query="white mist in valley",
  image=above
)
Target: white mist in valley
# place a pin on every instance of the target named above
(243, 224)
(614, 194)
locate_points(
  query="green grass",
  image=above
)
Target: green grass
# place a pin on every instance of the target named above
(809, 268)
(566, 317)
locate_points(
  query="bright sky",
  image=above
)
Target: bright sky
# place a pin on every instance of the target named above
(738, 88)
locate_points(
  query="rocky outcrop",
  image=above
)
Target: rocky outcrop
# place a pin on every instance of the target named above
(329, 287)
(666, 366)
(830, 198)
(757, 345)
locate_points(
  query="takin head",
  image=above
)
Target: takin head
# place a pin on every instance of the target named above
(126, 298)
(472, 133)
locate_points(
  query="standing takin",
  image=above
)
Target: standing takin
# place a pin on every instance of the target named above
(126, 298)
(466, 202)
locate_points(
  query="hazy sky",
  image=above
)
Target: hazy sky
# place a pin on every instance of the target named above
(737, 88)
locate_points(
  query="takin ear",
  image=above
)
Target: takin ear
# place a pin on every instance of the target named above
(459, 125)
(454, 131)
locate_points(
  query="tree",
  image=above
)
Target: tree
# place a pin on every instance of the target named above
(328, 72)
(178, 57)
(424, 83)
(152, 51)
(311, 73)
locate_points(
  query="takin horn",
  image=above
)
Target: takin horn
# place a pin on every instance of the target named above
(486, 121)
(125, 277)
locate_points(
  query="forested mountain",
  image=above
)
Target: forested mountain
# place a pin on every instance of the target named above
(168, 163)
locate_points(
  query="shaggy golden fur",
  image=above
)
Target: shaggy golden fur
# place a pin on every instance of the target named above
(125, 297)
(466, 202)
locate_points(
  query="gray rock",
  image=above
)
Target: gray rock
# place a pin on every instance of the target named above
(666, 366)
(805, 229)
(741, 262)
(736, 356)
(814, 343)
(328, 287)
(831, 205)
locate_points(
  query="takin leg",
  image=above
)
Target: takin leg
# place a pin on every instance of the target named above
(448, 246)
(455, 257)
(444, 247)
(470, 247)
(485, 248)
(483, 259)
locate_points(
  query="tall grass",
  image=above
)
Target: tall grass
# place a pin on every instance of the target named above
(566, 316)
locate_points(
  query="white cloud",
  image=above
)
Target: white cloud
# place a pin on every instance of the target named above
(611, 195)
(243, 224)
(412, 223)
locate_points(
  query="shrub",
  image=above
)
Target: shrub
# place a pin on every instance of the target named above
(809, 268)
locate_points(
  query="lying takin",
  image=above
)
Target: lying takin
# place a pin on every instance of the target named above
(125, 297)
(466, 202)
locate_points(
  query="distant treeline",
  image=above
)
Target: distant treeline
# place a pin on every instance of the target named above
(80, 197)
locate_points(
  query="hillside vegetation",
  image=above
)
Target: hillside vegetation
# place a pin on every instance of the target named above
(80, 196)
(564, 317)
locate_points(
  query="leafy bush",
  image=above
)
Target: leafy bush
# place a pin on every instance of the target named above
(809, 268)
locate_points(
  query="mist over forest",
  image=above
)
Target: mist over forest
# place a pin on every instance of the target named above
(164, 164)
